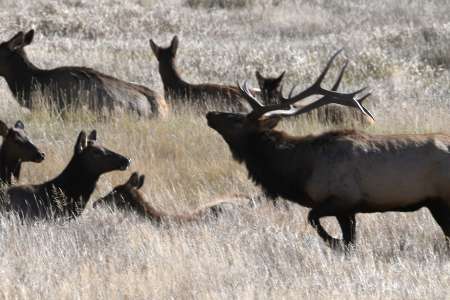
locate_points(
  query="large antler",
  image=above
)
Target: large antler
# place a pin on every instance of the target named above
(286, 106)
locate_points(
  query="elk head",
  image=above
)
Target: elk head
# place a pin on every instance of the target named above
(166, 54)
(125, 196)
(95, 159)
(11, 51)
(270, 87)
(17, 146)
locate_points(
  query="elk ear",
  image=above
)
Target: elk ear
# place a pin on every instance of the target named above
(141, 181)
(258, 75)
(17, 41)
(278, 80)
(260, 79)
(155, 48)
(134, 180)
(81, 142)
(93, 135)
(174, 45)
(269, 122)
(19, 125)
(3, 129)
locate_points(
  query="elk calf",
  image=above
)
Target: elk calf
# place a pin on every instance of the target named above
(338, 173)
(68, 193)
(129, 197)
(16, 149)
(65, 86)
(203, 96)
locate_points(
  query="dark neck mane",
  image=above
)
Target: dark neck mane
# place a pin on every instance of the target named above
(278, 163)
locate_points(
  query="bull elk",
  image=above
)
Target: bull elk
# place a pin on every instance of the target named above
(129, 197)
(16, 149)
(65, 86)
(338, 173)
(67, 194)
(202, 95)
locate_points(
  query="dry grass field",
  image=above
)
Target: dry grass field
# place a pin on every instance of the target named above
(401, 49)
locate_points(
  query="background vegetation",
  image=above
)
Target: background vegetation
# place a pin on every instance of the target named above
(399, 48)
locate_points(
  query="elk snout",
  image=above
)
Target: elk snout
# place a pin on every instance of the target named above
(124, 163)
(40, 156)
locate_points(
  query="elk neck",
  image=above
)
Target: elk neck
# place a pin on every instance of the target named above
(76, 184)
(22, 75)
(280, 164)
(171, 77)
(8, 165)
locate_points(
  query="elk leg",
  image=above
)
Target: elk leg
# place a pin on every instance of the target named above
(348, 227)
(441, 213)
(313, 219)
(333, 207)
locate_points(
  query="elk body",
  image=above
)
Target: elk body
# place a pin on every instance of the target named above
(72, 86)
(203, 96)
(129, 197)
(339, 173)
(68, 193)
(16, 149)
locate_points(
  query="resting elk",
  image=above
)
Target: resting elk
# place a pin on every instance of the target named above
(16, 149)
(129, 197)
(65, 86)
(203, 96)
(67, 194)
(338, 173)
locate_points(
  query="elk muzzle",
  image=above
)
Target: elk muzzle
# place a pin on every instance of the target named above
(40, 156)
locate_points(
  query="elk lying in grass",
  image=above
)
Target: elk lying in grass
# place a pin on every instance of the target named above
(65, 86)
(339, 173)
(68, 193)
(270, 87)
(202, 95)
(129, 197)
(16, 149)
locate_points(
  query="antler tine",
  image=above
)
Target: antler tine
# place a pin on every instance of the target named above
(341, 74)
(292, 91)
(360, 100)
(327, 67)
(361, 107)
(245, 91)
